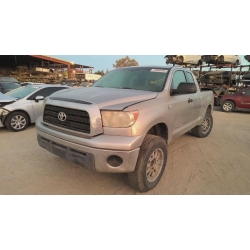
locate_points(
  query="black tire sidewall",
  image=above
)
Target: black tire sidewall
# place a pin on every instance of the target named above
(10, 116)
(158, 143)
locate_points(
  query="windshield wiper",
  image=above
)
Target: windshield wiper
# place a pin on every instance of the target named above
(125, 88)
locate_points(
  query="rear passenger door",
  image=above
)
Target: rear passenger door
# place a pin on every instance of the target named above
(180, 107)
(37, 105)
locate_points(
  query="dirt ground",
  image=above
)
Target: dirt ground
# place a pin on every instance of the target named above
(218, 164)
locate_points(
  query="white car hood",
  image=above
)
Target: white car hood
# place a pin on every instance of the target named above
(6, 98)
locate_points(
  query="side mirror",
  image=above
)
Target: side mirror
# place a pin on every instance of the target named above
(39, 98)
(185, 88)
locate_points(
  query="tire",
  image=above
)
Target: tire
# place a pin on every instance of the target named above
(227, 106)
(17, 121)
(145, 177)
(180, 59)
(237, 63)
(221, 59)
(205, 128)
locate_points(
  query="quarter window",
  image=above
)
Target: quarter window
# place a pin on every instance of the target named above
(189, 77)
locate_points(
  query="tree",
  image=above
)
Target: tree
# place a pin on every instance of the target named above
(99, 72)
(125, 62)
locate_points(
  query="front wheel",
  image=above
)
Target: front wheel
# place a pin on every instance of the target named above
(205, 128)
(150, 165)
(16, 121)
(227, 106)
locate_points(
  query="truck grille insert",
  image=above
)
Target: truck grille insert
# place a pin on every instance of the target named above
(76, 120)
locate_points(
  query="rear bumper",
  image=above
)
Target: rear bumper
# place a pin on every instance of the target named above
(89, 157)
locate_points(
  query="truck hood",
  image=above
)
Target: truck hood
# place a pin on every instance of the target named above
(106, 98)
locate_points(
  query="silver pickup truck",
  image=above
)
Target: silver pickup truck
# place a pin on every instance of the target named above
(123, 122)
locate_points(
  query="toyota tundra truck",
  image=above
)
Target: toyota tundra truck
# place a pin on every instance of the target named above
(124, 122)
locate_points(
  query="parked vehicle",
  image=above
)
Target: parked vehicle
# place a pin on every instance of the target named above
(24, 105)
(124, 121)
(85, 84)
(247, 57)
(184, 59)
(238, 100)
(8, 83)
(221, 59)
(216, 77)
(31, 83)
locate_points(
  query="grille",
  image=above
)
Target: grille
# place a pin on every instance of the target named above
(77, 120)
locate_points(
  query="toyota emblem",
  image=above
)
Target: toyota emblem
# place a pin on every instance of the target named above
(62, 116)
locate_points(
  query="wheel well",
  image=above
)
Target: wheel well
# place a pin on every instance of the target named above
(209, 109)
(160, 130)
(21, 111)
(230, 101)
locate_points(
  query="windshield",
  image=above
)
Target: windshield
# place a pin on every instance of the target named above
(22, 91)
(11, 85)
(8, 79)
(148, 79)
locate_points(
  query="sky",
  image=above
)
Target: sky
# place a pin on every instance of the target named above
(104, 62)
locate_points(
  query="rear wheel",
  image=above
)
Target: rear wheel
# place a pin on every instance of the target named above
(205, 128)
(150, 165)
(17, 121)
(227, 106)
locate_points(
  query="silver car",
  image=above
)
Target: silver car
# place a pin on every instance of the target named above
(24, 105)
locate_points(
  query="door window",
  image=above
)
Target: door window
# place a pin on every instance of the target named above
(45, 92)
(178, 77)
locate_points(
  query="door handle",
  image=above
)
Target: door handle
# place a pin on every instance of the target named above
(190, 100)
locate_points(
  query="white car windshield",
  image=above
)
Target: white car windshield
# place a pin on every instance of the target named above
(22, 91)
(142, 78)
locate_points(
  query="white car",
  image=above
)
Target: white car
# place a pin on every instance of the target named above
(30, 83)
(184, 59)
(23, 105)
(221, 59)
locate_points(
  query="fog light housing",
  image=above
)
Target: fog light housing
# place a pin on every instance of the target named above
(114, 161)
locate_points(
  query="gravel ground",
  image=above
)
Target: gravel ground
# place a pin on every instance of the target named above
(218, 164)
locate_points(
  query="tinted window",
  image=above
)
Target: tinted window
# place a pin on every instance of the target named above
(178, 77)
(45, 92)
(189, 77)
(8, 79)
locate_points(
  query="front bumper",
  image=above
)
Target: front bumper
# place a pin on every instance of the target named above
(91, 153)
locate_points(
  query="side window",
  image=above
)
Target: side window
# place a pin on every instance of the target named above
(189, 77)
(178, 77)
(45, 92)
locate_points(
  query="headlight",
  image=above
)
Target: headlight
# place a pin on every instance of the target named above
(4, 112)
(119, 119)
